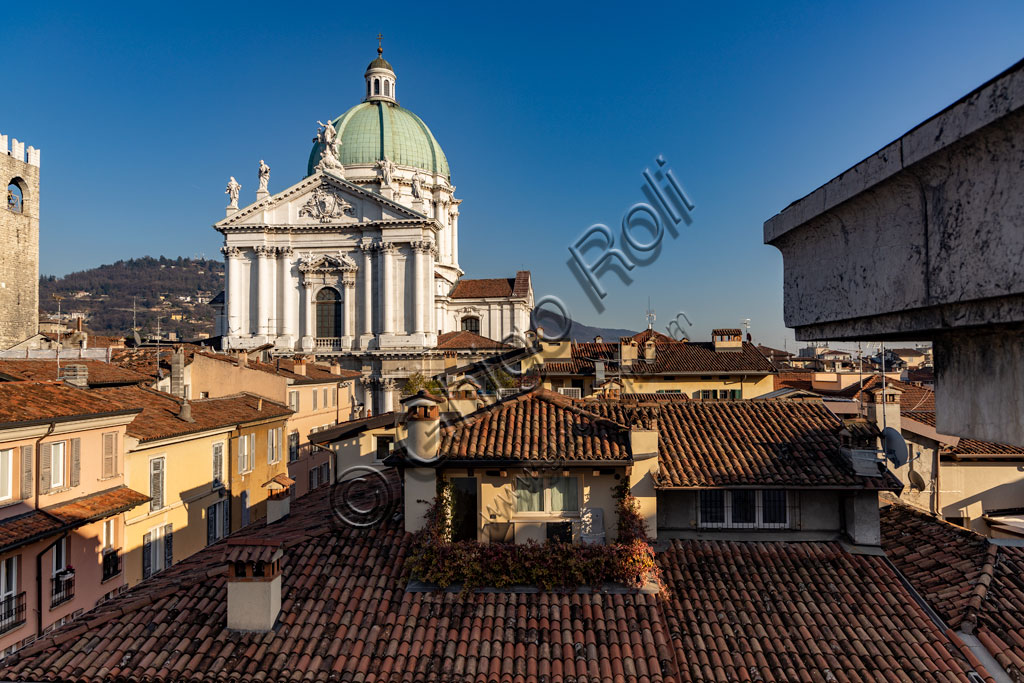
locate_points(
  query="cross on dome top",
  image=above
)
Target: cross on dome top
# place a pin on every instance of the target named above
(380, 77)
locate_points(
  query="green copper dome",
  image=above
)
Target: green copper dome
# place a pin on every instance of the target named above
(372, 130)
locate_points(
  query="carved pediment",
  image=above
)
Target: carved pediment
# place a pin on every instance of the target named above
(326, 204)
(327, 263)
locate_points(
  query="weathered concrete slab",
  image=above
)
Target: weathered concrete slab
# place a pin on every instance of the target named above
(925, 240)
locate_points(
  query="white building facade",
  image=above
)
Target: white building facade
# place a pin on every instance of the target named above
(360, 259)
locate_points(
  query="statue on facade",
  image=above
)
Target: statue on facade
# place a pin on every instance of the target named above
(264, 177)
(387, 171)
(327, 137)
(417, 189)
(232, 192)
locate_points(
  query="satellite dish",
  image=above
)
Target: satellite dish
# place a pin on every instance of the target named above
(895, 447)
(135, 335)
(916, 480)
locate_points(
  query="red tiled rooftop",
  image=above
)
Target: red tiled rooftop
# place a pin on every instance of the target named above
(974, 585)
(517, 287)
(468, 340)
(38, 524)
(159, 417)
(967, 448)
(100, 372)
(671, 357)
(33, 402)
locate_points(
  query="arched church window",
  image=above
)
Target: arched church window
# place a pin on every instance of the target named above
(328, 313)
(387, 88)
(376, 86)
(471, 324)
(15, 197)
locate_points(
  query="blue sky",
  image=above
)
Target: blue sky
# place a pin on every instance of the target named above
(548, 114)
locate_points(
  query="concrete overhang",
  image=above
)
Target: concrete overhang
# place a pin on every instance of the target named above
(924, 239)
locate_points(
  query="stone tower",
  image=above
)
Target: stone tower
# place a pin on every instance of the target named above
(19, 235)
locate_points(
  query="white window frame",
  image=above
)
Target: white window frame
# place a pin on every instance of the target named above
(274, 445)
(547, 484)
(156, 549)
(8, 568)
(8, 455)
(58, 454)
(293, 400)
(109, 534)
(62, 555)
(758, 522)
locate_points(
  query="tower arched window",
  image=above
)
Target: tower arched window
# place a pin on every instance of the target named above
(328, 313)
(15, 197)
(471, 323)
(376, 86)
(387, 88)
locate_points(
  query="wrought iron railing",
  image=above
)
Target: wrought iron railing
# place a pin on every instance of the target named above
(62, 588)
(12, 612)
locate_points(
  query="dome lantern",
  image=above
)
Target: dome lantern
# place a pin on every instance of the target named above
(380, 78)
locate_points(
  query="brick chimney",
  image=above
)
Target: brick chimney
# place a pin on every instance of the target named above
(726, 340)
(77, 375)
(884, 413)
(178, 373)
(253, 583)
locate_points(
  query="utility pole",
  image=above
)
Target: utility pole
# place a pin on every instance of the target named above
(59, 330)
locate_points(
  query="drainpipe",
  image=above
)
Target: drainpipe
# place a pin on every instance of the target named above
(39, 583)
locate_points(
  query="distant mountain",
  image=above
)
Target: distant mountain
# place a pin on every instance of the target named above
(553, 323)
(176, 291)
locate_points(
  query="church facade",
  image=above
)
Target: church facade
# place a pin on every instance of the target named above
(360, 259)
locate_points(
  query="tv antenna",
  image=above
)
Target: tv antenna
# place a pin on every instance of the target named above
(59, 330)
(650, 315)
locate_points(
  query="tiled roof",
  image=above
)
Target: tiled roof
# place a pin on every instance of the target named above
(35, 525)
(100, 373)
(966, 448)
(744, 443)
(912, 398)
(467, 340)
(35, 402)
(663, 396)
(972, 584)
(536, 425)
(671, 357)
(345, 430)
(727, 332)
(745, 611)
(159, 417)
(649, 333)
(769, 352)
(732, 611)
(517, 287)
(346, 616)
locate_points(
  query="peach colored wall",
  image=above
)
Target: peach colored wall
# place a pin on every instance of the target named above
(220, 378)
(262, 471)
(339, 409)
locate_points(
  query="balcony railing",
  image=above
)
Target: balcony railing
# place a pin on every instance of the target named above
(12, 612)
(328, 343)
(62, 588)
(111, 564)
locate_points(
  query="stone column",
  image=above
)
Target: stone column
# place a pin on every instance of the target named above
(366, 330)
(431, 302)
(455, 237)
(419, 250)
(287, 321)
(387, 249)
(388, 385)
(307, 324)
(348, 330)
(232, 290)
(264, 302)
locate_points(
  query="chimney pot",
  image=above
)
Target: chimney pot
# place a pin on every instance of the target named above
(77, 375)
(185, 412)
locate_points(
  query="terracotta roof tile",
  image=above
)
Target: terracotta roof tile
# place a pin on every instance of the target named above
(22, 402)
(518, 287)
(468, 340)
(972, 584)
(100, 373)
(966, 448)
(671, 357)
(159, 417)
(535, 425)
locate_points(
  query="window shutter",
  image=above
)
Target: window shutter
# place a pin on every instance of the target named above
(168, 545)
(270, 446)
(109, 455)
(156, 484)
(226, 517)
(26, 471)
(46, 451)
(211, 524)
(147, 555)
(76, 461)
(218, 463)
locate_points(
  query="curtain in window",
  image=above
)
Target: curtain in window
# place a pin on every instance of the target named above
(529, 494)
(565, 494)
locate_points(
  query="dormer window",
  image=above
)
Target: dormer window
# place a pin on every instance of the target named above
(744, 509)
